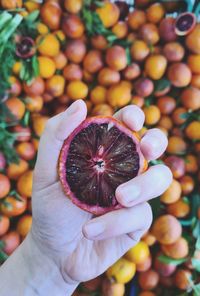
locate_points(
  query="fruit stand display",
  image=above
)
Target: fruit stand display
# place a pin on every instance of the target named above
(145, 53)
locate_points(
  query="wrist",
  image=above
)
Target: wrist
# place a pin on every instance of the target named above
(30, 271)
(47, 275)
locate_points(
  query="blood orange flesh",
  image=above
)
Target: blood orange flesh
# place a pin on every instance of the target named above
(95, 159)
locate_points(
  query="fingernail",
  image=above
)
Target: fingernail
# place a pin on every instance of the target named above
(94, 229)
(129, 193)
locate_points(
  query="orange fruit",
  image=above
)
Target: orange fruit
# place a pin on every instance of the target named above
(35, 88)
(173, 51)
(139, 253)
(24, 184)
(139, 50)
(193, 62)
(155, 66)
(166, 104)
(34, 103)
(121, 271)
(108, 13)
(119, 95)
(11, 241)
(12, 207)
(15, 170)
(149, 239)
(26, 150)
(47, 67)
(75, 50)
(73, 6)
(39, 122)
(72, 26)
(179, 209)
(190, 98)
(93, 61)
(149, 33)
(191, 163)
(4, 185)
(148, 280)
(48, 45)
(195, 80)
(155, 13)
(152, 114)
(138, 101)
(17, 67)
(177, 115)
(24, 225)
(15, 86)
(99, 42)
(87, 77)
(172, 194)
(165, 122)
(4, 224)
(98, 95)
(112, 289)
(116, 58)
(107, 77)
(31, 6)
(136, 19)
(145, 265)
(55, 85)
(193, 130)
(132, 71)
(42, 29)
(72, 72)
(16, 107)
(193, 40)
(176, 145)
(181, 279)
(60, 60)
(11, 4)
(187, 184)
(77, 90)
(102, 110)
(179, 74)
(50, 14)
(167, 229)
(120, 29)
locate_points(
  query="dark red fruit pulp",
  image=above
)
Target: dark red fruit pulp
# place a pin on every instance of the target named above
(185, 22)
(99, 159)
(25, 47)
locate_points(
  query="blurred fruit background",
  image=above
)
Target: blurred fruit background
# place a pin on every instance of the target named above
(140, 52)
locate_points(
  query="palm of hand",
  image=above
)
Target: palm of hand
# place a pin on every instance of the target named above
(59, 227)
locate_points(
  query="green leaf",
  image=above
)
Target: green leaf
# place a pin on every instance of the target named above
(161, 84)
(32, 17)
(128, 55)
(186, 200)
(25, 120)
(168, 260)
(196, 264)
(196, 229)
(197, 245)
(35, 66)
(155, 162)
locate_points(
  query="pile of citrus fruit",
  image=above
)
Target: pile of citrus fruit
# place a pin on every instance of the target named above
(110, 55)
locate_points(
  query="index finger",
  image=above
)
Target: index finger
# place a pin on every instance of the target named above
(58, 128)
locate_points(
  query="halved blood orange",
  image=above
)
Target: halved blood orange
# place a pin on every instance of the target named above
(95, 159)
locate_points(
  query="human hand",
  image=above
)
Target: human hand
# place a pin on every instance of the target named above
(81, 246)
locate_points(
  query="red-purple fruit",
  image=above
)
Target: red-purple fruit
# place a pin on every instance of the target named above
(25, 47)
(95, 159)
(162, 268)
(185, 23)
